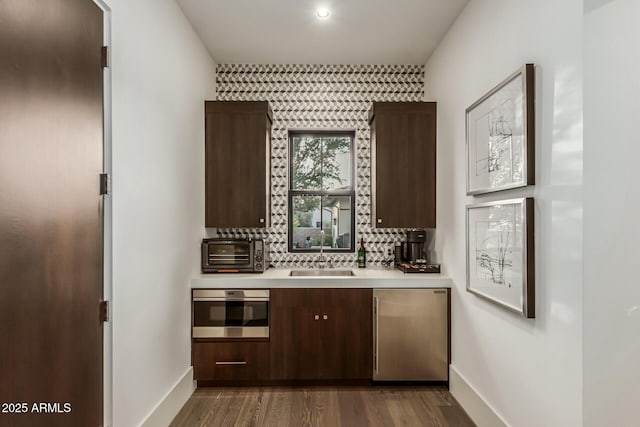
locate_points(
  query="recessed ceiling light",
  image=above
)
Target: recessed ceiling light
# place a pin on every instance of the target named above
(323, 13)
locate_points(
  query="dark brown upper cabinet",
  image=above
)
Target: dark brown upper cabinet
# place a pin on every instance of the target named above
(238, 163)
(403, 164)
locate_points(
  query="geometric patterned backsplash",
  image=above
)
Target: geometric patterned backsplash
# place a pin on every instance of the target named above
(307, 97)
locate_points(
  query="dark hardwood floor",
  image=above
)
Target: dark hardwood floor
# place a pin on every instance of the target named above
(322, 406)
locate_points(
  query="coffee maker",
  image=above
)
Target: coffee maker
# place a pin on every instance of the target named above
(413, 254)
(413, 250)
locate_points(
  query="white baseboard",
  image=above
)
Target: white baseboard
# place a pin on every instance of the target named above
(472, 402)
(166, 410)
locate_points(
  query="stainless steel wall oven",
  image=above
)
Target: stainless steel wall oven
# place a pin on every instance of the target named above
(237, 313)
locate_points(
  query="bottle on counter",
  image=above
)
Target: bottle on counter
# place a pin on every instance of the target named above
(362, 255)
(397, 252)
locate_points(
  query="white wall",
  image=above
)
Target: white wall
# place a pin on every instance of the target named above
(528, 371)
(611, 206)
(161, 75)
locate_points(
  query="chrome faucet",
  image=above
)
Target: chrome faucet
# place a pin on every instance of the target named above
(321, 259)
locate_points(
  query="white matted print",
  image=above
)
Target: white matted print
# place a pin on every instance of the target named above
(500, 254)
(500, 136)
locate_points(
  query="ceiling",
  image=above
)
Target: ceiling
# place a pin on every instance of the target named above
(288, 32)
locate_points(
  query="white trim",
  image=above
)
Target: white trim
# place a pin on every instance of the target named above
(107, 284)
(472, 402)
(166, 410)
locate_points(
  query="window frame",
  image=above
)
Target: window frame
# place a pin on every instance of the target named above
(291, 193)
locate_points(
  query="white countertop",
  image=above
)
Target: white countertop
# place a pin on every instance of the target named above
(280, 278)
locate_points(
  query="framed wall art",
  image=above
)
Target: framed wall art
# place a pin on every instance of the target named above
(500, 136)
(500, 253)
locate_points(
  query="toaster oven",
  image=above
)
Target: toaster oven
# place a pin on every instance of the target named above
(235, 255)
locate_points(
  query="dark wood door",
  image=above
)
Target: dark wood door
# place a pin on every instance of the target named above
(347, 334)
(237, 165)
(295, 333)
(404, 145)
(51, 220)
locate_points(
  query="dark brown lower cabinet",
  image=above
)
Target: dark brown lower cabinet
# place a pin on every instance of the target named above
(230, 361)
(321, 334)
(295, 345)
(315, 335)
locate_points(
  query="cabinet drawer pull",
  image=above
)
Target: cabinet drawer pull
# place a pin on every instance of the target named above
(316, 317)
(376, 338)
(325, 317)
(231, 363)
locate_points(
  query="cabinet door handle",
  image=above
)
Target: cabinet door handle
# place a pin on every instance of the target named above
(325, 317)
(316, 317)
(379, 220)
(261, 220)
(376, 309)
(231, 363)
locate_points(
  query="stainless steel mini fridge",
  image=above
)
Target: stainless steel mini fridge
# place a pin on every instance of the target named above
(411, 334)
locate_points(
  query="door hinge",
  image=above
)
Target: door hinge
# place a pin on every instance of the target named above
(105, 184)
(105, 315)
(106, 57)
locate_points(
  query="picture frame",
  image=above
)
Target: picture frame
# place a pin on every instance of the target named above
(500, 135)
(500, 253)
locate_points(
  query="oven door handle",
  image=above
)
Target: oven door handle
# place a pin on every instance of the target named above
(232, 299)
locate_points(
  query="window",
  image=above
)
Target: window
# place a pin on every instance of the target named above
(321, 191)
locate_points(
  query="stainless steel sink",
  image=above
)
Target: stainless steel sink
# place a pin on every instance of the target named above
(322, 273)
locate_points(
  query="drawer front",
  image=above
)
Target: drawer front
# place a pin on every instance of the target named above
(230, 361)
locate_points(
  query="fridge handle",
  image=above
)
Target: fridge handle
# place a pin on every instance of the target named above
(376, 309)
